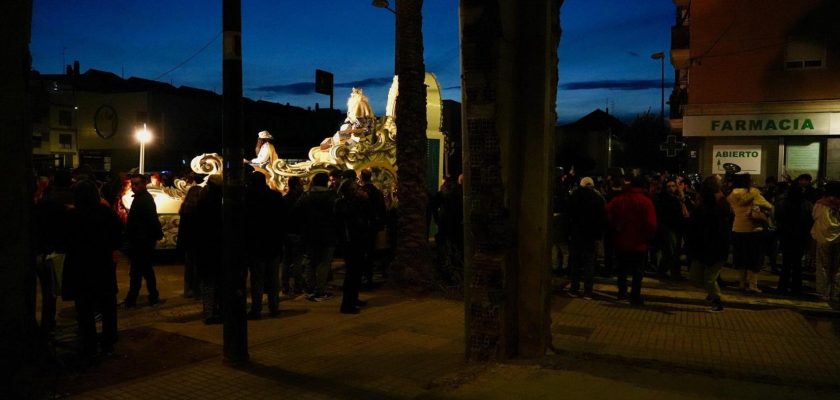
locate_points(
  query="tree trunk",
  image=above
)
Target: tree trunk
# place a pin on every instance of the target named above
(413, 263)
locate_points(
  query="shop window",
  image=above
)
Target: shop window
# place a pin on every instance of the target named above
(804, 54)
(65, 118)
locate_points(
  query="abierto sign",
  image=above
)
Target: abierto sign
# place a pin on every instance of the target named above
(744, 158)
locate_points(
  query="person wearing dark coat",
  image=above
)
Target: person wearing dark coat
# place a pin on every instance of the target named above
(90, 276)
(670, 215)
(320, 235)
(209, 268)
(793, 226)
(707, 239)
(49, 226)
(377, 224)
(143, 230)
(353, 214)
(260, 205)
(586, 222)
(188, 237)
(294, 256)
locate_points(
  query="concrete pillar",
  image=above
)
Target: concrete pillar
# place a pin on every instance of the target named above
(16, 319)
(509, 66)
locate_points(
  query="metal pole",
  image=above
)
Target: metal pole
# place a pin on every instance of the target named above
(235, 336)
(142, 140)
(662, 91)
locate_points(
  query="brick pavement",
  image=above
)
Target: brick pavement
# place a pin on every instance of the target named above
(392, 350)
(401, 347)
(773, 344)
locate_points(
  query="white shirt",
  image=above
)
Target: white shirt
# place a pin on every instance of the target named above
(265, 156)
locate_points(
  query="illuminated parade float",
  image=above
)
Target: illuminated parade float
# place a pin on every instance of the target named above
(362, 141)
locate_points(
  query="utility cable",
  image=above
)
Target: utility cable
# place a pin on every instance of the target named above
(182, 63)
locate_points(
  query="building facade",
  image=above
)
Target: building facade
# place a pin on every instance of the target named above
(757, 86)
(91, 119)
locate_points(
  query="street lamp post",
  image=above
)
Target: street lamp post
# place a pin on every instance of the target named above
(387, 5)
(143, 136)
(661, 57)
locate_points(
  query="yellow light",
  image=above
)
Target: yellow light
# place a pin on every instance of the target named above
(143, 135)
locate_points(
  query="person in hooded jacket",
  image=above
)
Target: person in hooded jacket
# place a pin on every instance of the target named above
(826, 234)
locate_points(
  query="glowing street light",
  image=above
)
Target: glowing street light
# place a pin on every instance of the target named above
(143, 136)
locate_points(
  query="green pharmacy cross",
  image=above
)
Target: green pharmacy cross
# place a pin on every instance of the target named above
(671, 146)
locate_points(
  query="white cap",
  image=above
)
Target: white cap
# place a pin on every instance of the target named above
(265, 135)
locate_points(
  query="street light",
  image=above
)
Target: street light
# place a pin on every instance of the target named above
(383, 4)
(143, 136)
(387, 5)
(661, 57)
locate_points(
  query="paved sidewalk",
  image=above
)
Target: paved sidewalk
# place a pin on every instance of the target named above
(775, 344)
(401, 348)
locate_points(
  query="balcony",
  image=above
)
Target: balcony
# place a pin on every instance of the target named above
(680, 38)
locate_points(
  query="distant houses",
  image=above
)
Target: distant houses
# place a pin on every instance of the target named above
(90, 119)
(592, 144)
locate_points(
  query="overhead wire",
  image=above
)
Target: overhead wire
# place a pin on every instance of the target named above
(188, 59)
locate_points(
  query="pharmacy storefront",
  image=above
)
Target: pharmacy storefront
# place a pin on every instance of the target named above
(766, 144)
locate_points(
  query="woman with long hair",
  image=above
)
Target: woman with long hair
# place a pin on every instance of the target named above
(748, 205)
(266, 154)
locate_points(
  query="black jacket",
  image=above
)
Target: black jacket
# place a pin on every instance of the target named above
(317, 208)
(707, 232)
(89, 267)
(586, 216)
(142, 229)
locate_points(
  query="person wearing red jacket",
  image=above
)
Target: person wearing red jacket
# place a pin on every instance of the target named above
(633, 219)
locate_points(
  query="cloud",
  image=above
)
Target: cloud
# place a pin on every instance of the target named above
(632, 53)
(299, 88)
(623, 84)
(365, 83)
(452, 87)
(303, 88)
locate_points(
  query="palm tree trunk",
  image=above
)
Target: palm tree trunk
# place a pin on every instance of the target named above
(413, 263)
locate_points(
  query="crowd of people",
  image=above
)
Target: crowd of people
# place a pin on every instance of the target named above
(81, 229)
(661, 223)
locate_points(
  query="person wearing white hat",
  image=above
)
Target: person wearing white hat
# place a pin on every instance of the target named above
(265, 151)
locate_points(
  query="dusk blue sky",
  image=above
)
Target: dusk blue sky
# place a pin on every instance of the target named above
(604, 51)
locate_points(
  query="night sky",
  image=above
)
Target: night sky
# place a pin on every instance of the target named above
(604, 52)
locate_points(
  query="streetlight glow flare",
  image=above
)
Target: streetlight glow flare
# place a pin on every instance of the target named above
(143, 136)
